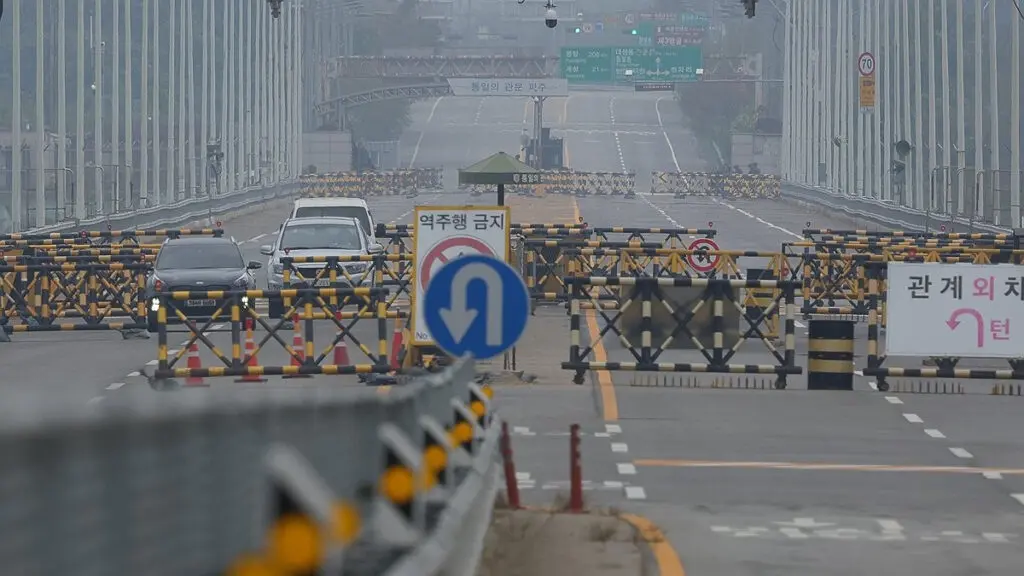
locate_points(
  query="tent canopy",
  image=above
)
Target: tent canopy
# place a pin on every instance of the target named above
(499, 168)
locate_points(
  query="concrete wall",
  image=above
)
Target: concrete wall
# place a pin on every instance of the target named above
(760, 148)
(328, 151)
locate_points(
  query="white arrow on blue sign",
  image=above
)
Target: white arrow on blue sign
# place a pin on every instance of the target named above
(476, 305)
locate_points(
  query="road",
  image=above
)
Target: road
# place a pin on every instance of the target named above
(742, 482)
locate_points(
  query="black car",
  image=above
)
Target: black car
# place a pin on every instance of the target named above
(197, 264)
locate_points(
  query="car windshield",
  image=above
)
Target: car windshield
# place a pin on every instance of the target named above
(356, 212)
(321, 237)
(199, 257)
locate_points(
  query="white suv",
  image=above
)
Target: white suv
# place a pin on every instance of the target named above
(318, 237)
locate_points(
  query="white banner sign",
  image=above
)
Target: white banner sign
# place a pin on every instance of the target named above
(525, 87)
(965, 310)
(443, 233)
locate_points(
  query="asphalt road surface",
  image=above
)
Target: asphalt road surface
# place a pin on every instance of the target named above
(742, 482)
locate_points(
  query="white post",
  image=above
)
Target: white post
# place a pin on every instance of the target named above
(38, 146)
(227, 10)
(881, 66)
(1015, 192)
(993, 89)
(961, 109)
(933, 118)
(193, 154)
(786, 154)
(144, 144)
(251, 73)
(173, 144)
(909, 186)
(16, 121)
(115, 108)
(183, 37)
(158, 143)
(129, 109)
(947, 114)
(862, 142)
(62, 108)
(80, 175)
(887, 98)
(97, 153)
(204, 130)
(979, 203)
(920, 182)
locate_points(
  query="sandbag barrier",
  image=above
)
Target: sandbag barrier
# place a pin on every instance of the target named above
(712, 184)
(406, 182)
(392, 271)
(238, 318)
(703, 314)
(35, 296)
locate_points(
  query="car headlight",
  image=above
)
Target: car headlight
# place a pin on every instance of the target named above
(277, 268)
(154, 305)
(356, 268)
(241, 283)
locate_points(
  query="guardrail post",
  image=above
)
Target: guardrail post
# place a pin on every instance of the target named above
(575, 470)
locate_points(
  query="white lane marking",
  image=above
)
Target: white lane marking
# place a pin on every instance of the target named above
(133, 374)
(934, 433)
(961, 453)
(619, 447)
(671, 149)
(800, 324)
(874, 386)
(613, 428)
(94, 401)
(913, 418)
(115, 386)
(615, 134)
(661, 211)
(522, 475)
(858, 373)
(992, 475)
(479, 110)
(255, 238)
(758, 218)
(416, 149)
(889, 525)
(612, 484)
(996, 537)
(151, 363)
(635, 493)
(1018, 497)
(626, 469)
(893, 400)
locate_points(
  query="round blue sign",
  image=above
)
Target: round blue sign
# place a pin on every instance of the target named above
(476, 305)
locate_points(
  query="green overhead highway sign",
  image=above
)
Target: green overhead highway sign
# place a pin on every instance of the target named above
(643, 64)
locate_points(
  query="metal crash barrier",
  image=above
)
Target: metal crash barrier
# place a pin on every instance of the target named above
(703, 314)
(231, 310)
(299, 481)
(734, 186)
(406, 182)
(568, 182)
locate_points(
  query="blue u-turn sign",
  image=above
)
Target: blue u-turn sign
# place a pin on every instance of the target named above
(476, 305)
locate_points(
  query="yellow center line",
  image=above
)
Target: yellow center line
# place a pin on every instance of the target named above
(609, 403)
(823, 466)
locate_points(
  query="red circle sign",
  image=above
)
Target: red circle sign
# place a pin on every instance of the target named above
(446, 250)
(703, 263)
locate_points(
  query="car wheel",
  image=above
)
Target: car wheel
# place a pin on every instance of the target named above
(151, 323)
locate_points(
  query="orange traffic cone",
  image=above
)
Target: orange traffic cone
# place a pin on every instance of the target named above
(341, 354)
(250, 351)
(193, 362)
(298, 349)
(396, 344)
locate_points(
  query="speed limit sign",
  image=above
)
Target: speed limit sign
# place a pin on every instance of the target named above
(866, 64)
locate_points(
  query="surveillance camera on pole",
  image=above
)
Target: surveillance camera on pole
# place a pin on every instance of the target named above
(550, 17)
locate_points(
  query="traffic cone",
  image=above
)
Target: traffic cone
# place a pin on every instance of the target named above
(298, 349)
(341, 354)
(250, 351)
(396, 344)
(193, 362)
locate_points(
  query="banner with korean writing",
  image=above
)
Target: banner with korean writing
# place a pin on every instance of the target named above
(958, 310)
(443, 233)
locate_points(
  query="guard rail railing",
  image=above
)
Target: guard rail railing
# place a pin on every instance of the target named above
(338, 480)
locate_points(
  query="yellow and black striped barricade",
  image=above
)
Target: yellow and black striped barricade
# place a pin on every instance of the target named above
(756, 301)
(390, 271)
(110, 236)
(944, 367)
(232, 310)
(830, 354)
(702, 321)
(821, 233)
(705, 184)
(34, 297)
(408, 182)
(667, 237)
(546, 264)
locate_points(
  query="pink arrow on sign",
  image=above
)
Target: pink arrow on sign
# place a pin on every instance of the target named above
(953, 322)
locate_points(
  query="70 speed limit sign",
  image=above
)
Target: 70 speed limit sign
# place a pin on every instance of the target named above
(866, 64)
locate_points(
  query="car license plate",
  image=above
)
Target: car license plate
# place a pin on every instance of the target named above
(200, 303)
(323, 282)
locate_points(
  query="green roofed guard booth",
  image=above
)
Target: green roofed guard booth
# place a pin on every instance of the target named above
(498, 170)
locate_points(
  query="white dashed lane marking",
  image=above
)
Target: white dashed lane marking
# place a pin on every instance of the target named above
(934, 433)
(961, 453)
(913, 418)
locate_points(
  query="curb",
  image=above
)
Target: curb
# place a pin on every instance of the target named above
(665, 559)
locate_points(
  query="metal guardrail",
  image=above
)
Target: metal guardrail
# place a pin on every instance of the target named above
(179, 213)
(172, 484)
(898, 217)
